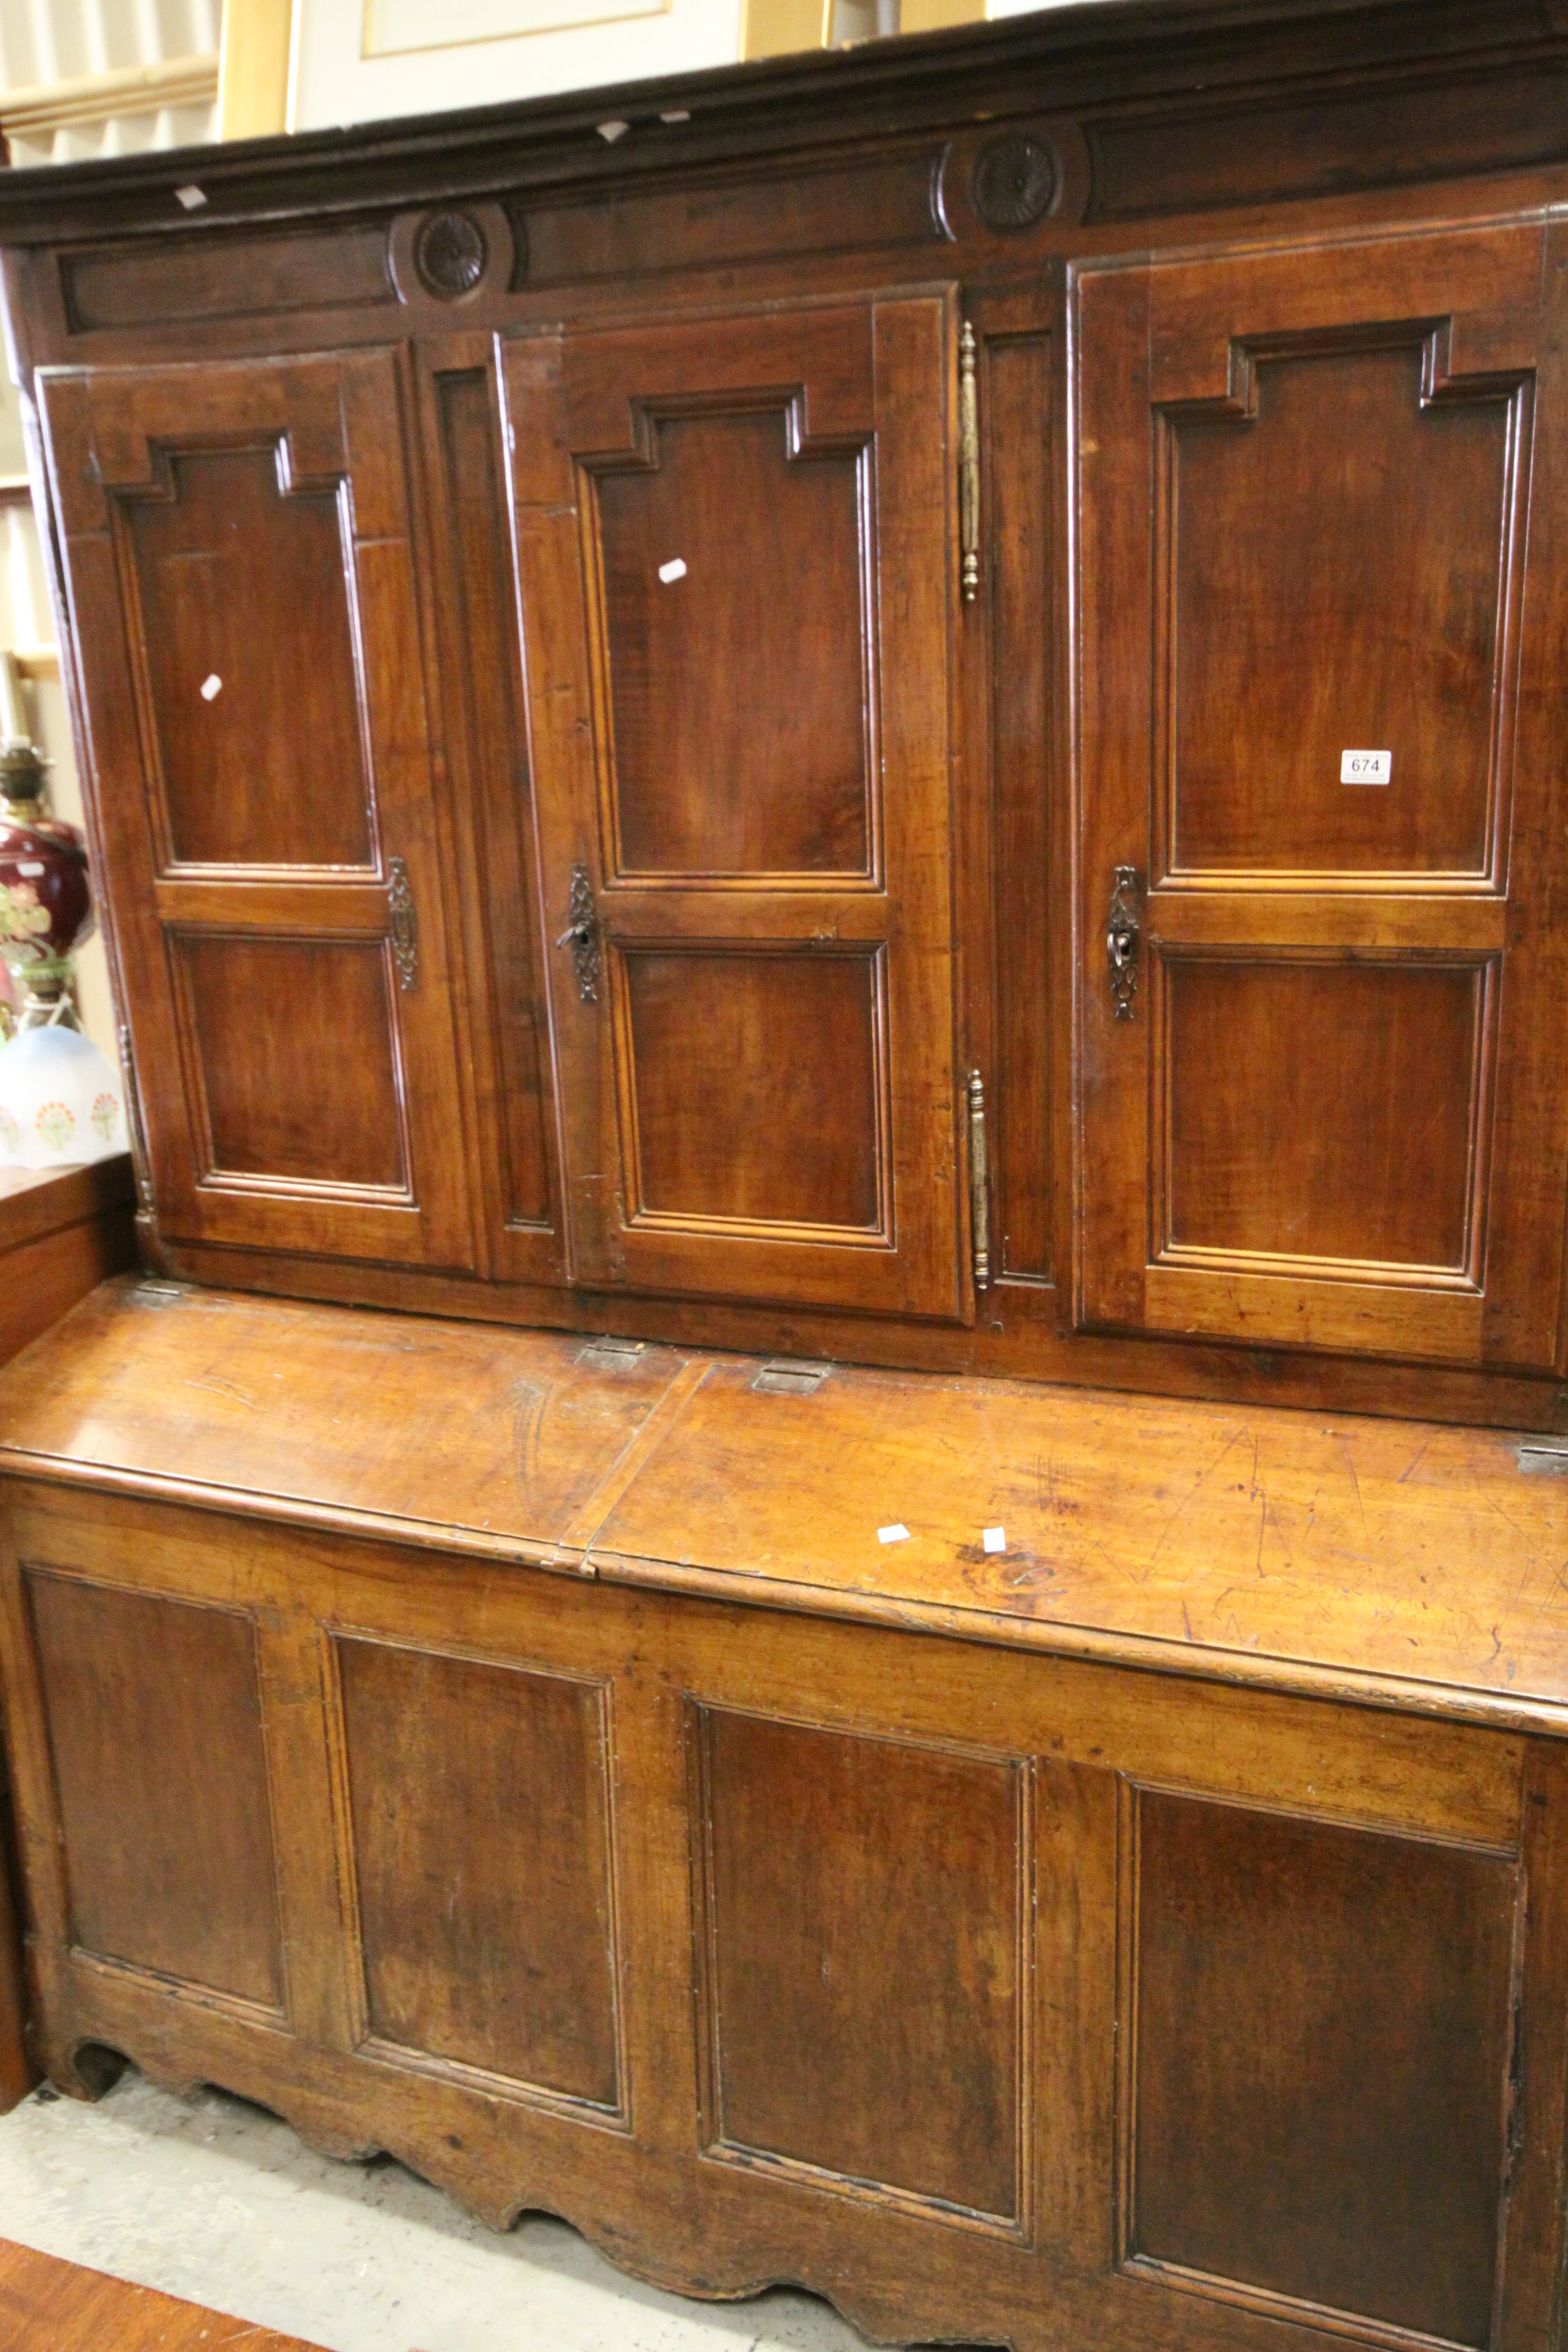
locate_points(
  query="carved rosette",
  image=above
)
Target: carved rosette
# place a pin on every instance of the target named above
(450, 253)
(1015, 181)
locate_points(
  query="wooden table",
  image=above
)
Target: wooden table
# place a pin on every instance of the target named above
(62, 1231)
(49, 2306)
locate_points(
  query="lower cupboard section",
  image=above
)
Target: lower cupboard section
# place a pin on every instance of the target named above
(999, 1998)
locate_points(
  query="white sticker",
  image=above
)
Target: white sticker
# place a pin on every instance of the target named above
(211, 687)
(190, 197)
(675, 569)
(675, 114)
(993, 1539)
(609, 132)
(1366, 767)
(897, 1533)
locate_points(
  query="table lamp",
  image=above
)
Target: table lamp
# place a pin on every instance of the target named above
(60, 1101)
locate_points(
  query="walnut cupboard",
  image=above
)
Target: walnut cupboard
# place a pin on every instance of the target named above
(909, 717)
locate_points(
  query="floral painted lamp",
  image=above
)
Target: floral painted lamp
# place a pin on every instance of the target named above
(60, 1102)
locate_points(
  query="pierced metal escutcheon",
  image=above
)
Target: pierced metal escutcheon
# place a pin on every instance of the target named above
(582, 935)
(402, 925)
(1123, 923)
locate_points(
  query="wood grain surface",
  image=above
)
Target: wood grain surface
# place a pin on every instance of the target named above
(659, 546)
(62, 1232)
(50, 2306)
(1257, 1544)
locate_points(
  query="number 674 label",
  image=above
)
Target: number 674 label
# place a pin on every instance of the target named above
(1366, 767)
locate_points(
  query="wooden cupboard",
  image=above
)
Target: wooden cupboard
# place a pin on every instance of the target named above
(741, 757)
(896, 711)
(1316, 493)
(905, 713)
(275, 825)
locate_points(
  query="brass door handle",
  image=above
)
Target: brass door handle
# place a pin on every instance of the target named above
(582, 935)
(1123, 925)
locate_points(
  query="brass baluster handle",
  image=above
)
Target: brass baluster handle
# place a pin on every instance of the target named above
(1123, 925)
(968, 466)
(582, 935)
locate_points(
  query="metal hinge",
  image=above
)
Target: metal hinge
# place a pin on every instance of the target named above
(968, 466)
(140, 1165)
(979, 1184)
(402, 925)
(607, 1352)
(790, 1376)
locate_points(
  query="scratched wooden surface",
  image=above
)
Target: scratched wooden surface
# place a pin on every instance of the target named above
(501, 1436)
(1392, 1549)
(1256, 1543)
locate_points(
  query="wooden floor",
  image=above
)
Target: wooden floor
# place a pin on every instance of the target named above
(49, 2306)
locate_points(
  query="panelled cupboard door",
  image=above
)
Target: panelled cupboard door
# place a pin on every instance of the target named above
(738, 588)
(239, 564)
(1323, 606)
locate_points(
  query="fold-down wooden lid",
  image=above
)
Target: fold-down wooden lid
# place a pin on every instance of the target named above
(1407, 1563)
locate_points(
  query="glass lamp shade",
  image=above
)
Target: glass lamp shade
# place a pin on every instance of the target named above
(60, 1102)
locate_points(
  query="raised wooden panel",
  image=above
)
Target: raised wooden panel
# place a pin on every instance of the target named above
(1340, 568)
(479, 1812)
(861, 201)
(167, 284)
(772, 779)
(154, 1719)
(1221, 153)
(866, 1906)
(1321, 2024)
(1319, 788)
(1381, 1172)
(298, 1078)
(756, 1086)
(261, 761)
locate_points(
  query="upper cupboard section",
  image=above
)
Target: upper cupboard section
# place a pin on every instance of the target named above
(713, 969)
